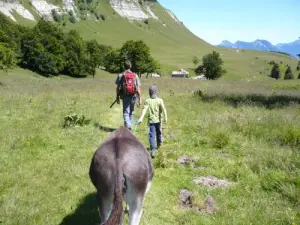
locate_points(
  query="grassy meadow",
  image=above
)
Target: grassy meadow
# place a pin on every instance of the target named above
(245, 132)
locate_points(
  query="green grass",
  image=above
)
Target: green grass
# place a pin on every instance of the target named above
(174, 46)
(44, 167)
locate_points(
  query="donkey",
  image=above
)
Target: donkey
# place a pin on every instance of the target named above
(121, 169)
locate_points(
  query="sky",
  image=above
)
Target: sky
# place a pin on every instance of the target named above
(277, 21)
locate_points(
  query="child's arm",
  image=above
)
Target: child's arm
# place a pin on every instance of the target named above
(146, 106)
(164, 111)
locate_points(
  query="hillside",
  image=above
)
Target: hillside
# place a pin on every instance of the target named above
(170, 41)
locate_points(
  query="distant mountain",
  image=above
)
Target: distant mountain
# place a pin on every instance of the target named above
(292, 48)
(227, 44)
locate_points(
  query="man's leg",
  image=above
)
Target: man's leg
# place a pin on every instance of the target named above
(126, 112)
(132, 104)
(158, 134)
(152, 139)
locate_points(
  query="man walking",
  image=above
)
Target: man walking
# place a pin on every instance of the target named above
(155, 108)
(128, 89)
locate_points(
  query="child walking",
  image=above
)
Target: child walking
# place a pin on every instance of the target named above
(155, 107)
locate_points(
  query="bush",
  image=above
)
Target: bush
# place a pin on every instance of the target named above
(298, 68)
(299, 76)
(146, 21)
(8, 57)
(43, 49)
(82, 7)
(272, 63)
(97, 16)
(211, 66)
(102, 17)
(73, 119)
(288, 74)
(72, 19)
(56, 16)
(275, 72)
(135, 51)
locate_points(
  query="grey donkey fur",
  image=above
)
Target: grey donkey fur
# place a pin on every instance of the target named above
(121, 169)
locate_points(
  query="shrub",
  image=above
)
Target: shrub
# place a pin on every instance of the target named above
(298, 68)
(73, 119)
(82, 7)
(200, 93)
(272, 62)
(8, 57)
(72, 19)
(56, 16)
(97, 16)
(43, 50)
(211, 66)
(196, 60)
(288, 74)
(275, 72)
(102, 17)
(146, 21)
(299, 76)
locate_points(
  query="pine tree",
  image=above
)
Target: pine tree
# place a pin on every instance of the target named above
(275, 73)
(288, 74)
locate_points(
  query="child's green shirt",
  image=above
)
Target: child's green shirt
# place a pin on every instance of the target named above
(155, 107)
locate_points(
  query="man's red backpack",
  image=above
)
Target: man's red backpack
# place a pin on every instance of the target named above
(129, 83)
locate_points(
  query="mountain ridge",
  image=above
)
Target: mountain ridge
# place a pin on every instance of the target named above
(291, 48)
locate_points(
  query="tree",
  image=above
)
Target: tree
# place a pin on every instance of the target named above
(288, 74)
(113, 63)
(94, 52)
(196, 60)
(56, 16)
(275, 72)
(43, 49)
(77, 60)
(151, 66)
(139, 55)
(211, 66)
(8, 57)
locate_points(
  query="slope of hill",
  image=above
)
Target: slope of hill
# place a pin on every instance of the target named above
(170, 41)
(292, 48)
